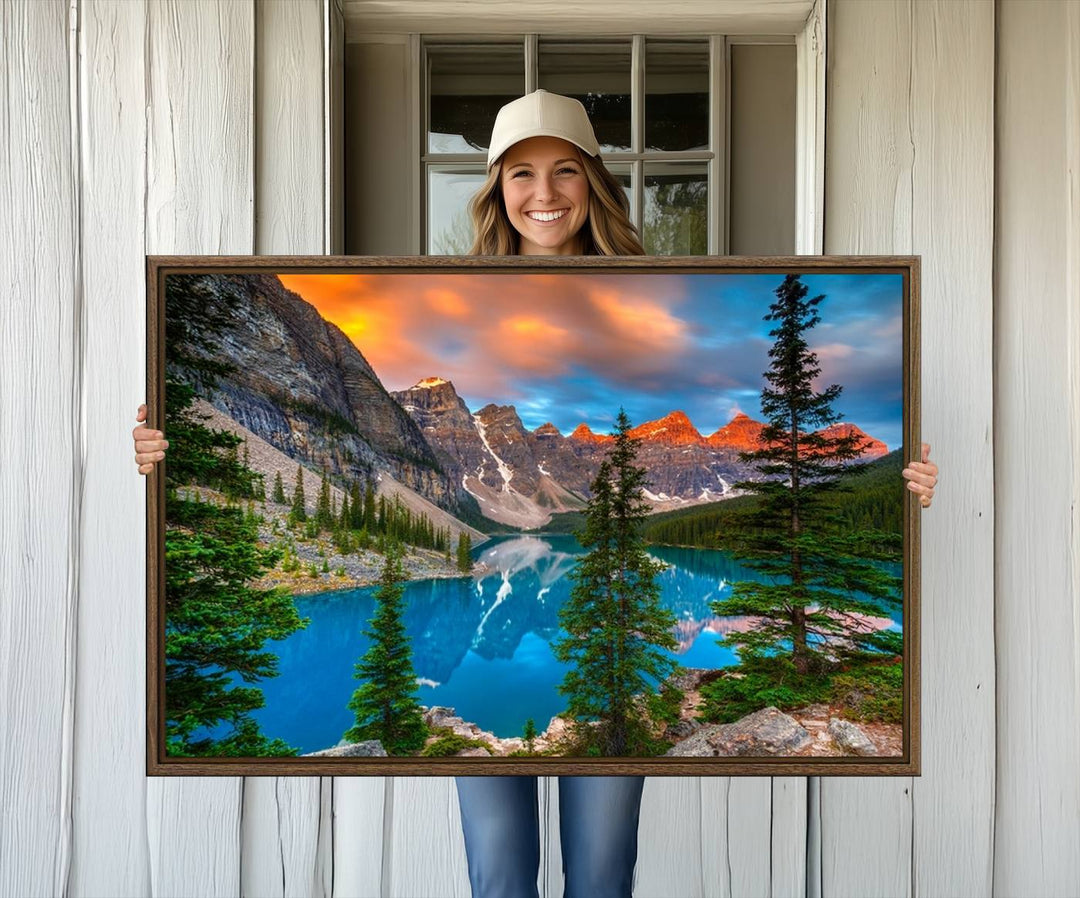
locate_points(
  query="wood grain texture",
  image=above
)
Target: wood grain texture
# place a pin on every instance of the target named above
(359, 812)
(109, 814)
(788, 836)
(669, 839)
(41, 451)
(290, 157)
(199, 197)
(555, 17)
(738, 854)
(193, 830)
(910, 170)
(868, 157)
(282, 816)
(280, 837)
(424, 849)
(1036, 445)
(952, 129)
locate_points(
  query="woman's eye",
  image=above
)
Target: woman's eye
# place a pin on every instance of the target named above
(568, 171)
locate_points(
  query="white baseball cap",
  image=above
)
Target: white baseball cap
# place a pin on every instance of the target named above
(541, 114)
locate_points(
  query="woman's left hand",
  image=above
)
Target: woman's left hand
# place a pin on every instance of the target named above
(922, 477)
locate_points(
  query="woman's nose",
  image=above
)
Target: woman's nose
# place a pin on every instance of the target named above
(545, 188)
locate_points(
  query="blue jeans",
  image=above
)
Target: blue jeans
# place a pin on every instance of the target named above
(598, 821)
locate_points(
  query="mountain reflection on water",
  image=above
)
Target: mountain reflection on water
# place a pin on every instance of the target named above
(482, 645)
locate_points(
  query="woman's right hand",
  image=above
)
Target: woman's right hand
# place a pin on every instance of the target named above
(150, 445)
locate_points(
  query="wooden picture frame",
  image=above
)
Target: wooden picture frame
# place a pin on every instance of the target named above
(319, 391)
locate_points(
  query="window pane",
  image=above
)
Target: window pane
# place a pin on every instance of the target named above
(449, 191)
(597, 74)
(624, 176)
(466, 86)
(676, 95)
(676, 209)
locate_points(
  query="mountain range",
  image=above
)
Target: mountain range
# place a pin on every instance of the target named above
(521, 476)
(298, 382)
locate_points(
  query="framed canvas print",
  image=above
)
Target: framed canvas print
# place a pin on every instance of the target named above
(433, 516)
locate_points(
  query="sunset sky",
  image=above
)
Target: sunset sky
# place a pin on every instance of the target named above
(568, 348)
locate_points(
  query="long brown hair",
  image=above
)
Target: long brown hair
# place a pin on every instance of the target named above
(607, 231)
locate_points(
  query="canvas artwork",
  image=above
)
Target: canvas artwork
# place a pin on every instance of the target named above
(551, 516)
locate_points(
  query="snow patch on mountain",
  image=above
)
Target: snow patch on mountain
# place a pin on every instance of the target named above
(504, 468)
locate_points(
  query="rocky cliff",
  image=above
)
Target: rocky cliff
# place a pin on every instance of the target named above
(296, 381)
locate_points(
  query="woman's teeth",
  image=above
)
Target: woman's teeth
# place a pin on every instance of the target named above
(546, 216)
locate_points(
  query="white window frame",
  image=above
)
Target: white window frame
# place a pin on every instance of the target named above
(810, 125)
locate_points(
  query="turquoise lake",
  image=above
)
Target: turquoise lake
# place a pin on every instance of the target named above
(482, 645)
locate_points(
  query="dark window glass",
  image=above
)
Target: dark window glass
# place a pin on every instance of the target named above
(467, 84)
(597, 74)
(676, 95)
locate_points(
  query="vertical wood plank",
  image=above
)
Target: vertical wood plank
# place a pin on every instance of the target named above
(868, 200)
(358, 835)
(280, 837)
(425, 854)
(952, 131)
(1037, 447)
(282, 815)
(110, 855)
(912, 152)
(747, 824)
(199, 197)
(669, 838)
(749, 813)
(788, 845)
(290, 161)
(41, 456)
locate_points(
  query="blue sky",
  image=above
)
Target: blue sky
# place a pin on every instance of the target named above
(574, 347)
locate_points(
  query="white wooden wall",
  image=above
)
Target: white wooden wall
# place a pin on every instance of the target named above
(175, 126)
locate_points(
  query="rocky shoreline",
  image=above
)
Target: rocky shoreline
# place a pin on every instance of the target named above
(813, 731)
(360, 568)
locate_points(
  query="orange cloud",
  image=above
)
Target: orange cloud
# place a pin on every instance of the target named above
(532, 344)
(447, 302)
(639, 322)
(480, 329)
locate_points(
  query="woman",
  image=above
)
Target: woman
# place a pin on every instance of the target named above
(548, 193)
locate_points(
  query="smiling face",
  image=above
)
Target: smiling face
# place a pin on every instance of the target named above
(546, 195)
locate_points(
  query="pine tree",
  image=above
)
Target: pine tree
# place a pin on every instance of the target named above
(809, 558)
(279, 489)
(385, 704)
(356, 507)
(464, 552)
(298, 513)
(617, 630)
(216, 625)
(345, 515)
(324, 514)
(369, 508)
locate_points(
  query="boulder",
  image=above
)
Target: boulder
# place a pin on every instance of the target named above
(373, 748)
(767, 732)
(683, 728)
(850, 738)
(473, 751)
(691, 678)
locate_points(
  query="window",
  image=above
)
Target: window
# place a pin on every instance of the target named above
(660, 108)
